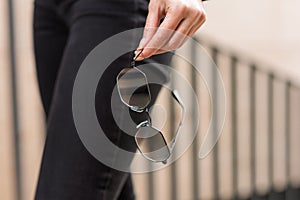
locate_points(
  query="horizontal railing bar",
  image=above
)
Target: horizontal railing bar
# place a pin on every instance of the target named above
(248, 61)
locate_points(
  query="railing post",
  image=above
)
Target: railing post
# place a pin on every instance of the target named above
(234, 126)
(215, 53)
(287, 133)
(173, 177)
(150, 183)
(195, 160)
(253, 129)
(14, 99)
(270, 130)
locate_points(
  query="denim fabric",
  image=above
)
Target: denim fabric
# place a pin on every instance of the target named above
(64, 34)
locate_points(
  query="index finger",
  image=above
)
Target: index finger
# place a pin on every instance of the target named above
(162, 35)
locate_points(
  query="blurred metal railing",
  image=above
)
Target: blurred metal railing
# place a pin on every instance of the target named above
(254, 69)
(289, 192)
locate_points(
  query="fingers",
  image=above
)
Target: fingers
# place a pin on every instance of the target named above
(184, 31)
(178, 38)
(152, 22)
(161, 35)
(199, 23)
(181, 22)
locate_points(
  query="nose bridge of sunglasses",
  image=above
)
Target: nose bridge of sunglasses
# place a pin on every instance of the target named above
(143, 124)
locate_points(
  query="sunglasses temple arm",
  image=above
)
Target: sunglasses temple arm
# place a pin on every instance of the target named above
(175, 139)
(176, 96)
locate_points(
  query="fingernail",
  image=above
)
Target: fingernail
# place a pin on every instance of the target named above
(139, 58)
(138, 53)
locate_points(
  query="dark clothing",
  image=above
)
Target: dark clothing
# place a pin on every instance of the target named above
(64, 33)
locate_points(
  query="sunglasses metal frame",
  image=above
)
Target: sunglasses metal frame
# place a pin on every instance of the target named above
(147, 123)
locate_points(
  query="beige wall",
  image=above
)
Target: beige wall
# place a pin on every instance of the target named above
(266, 30)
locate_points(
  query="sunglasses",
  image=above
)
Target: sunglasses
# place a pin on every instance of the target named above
(134, 92)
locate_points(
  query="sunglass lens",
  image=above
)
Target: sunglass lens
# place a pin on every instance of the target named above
(152, 144)
(133, 87)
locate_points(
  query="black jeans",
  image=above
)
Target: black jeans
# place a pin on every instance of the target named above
(64, 33)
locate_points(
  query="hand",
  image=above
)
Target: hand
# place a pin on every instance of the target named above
(182, 19)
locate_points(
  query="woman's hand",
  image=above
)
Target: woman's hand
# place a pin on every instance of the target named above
(184, 17)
